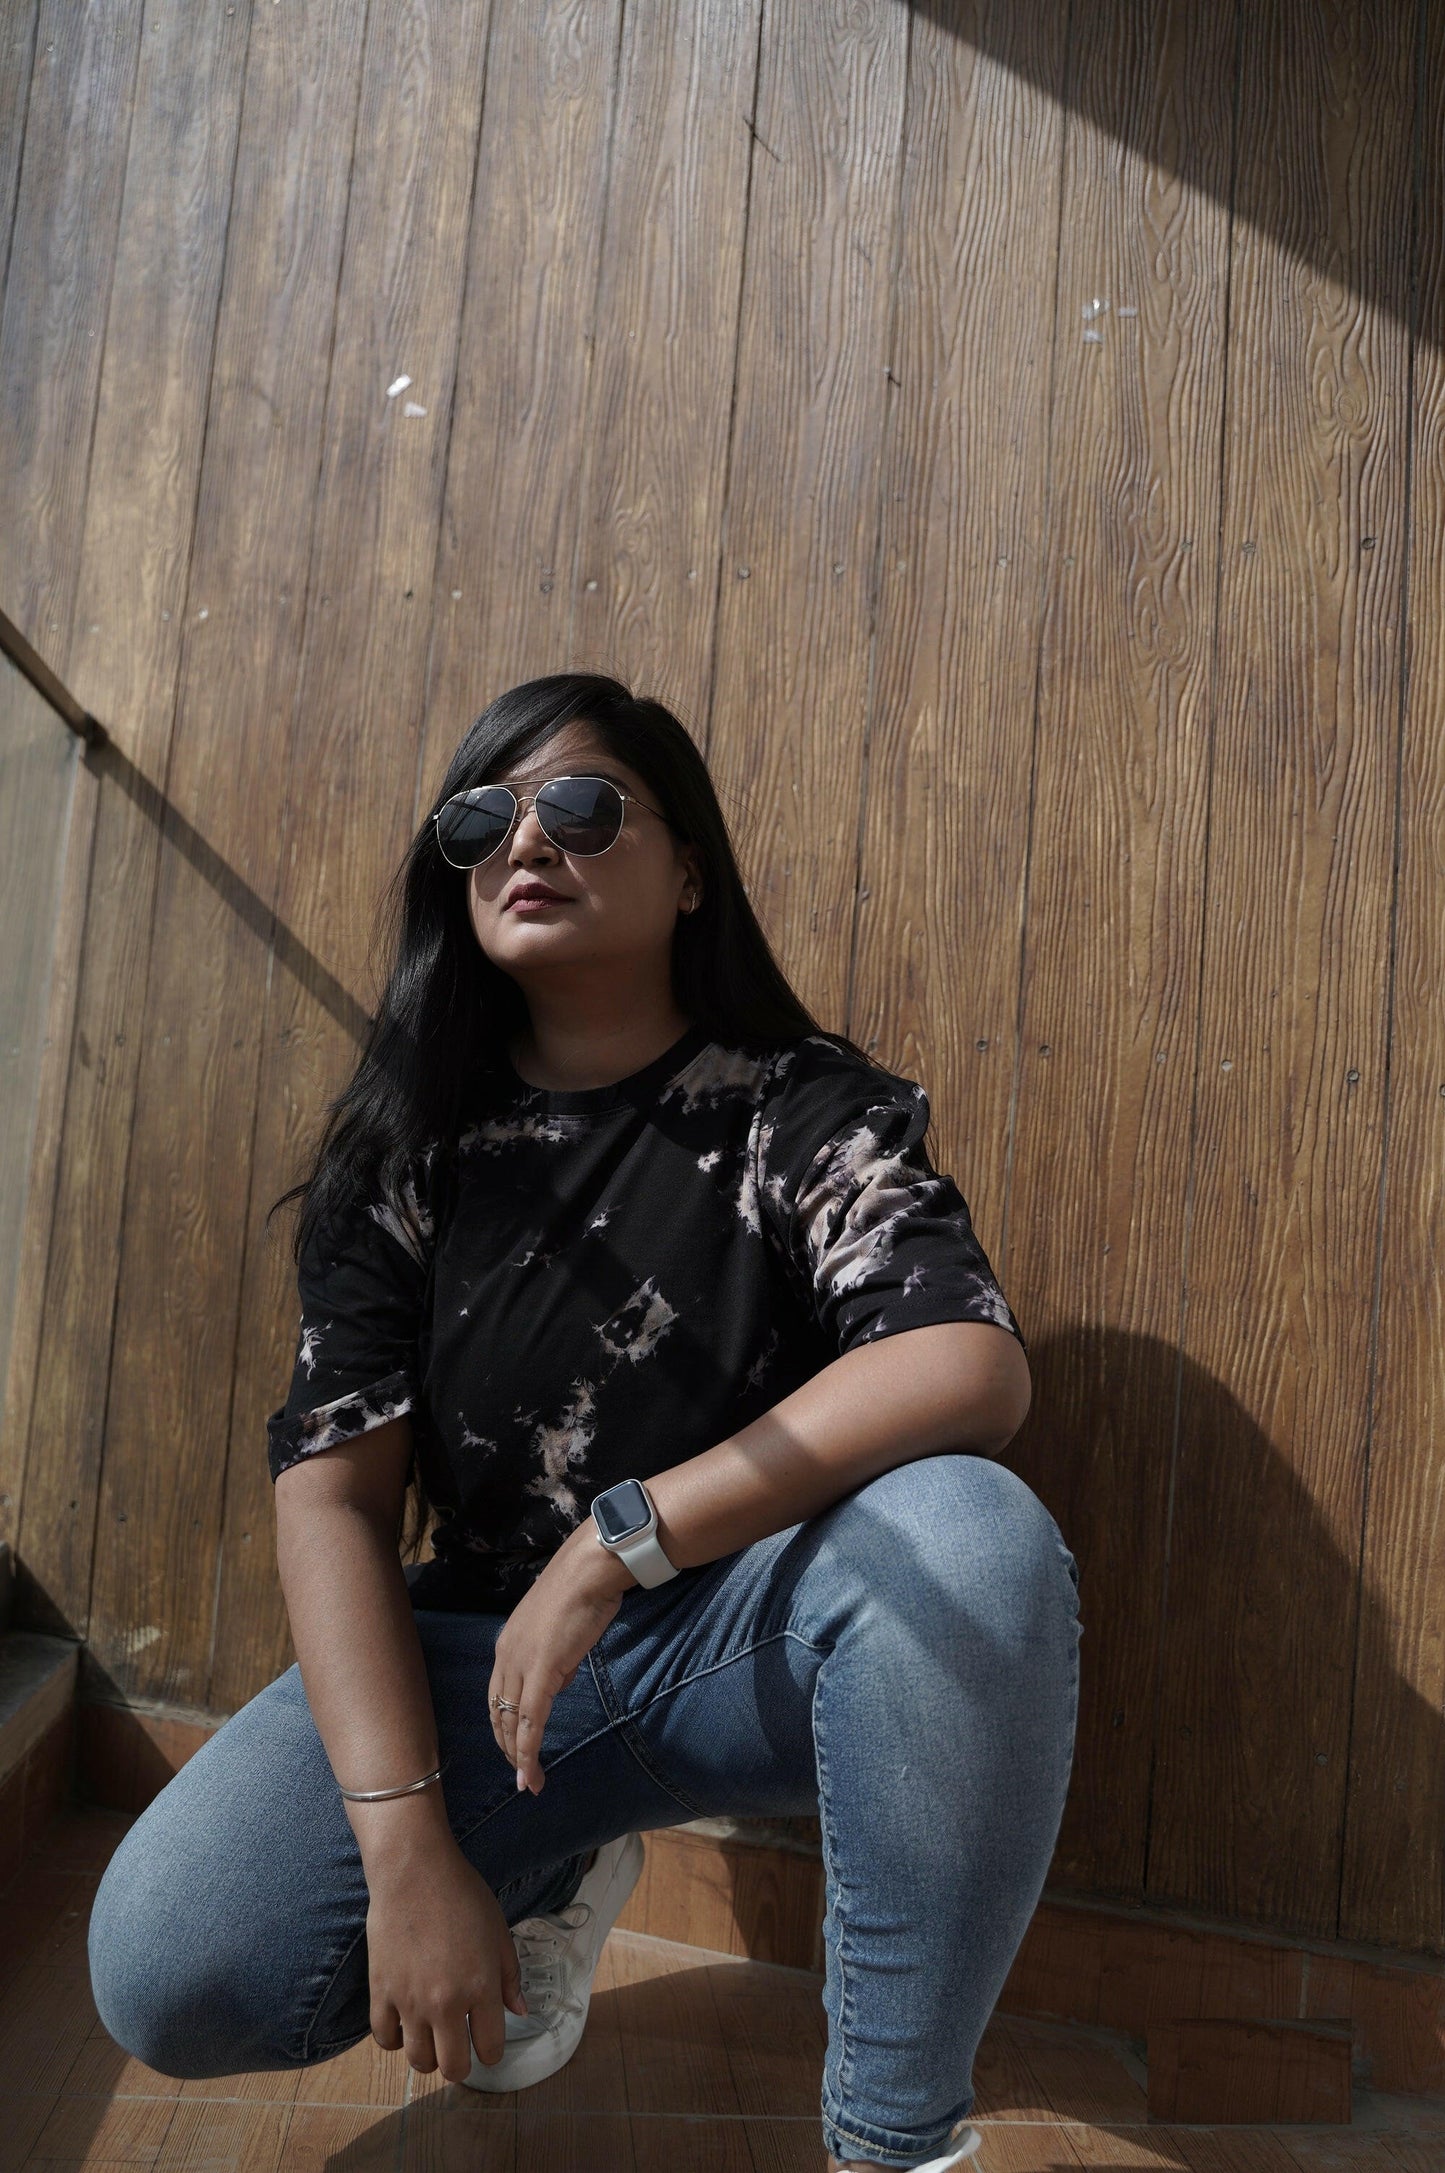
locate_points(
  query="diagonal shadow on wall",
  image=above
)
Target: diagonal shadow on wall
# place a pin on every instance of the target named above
(109, 763)
(1320, 59)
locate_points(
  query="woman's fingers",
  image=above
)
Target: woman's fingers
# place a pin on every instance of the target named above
(486, 2021)
(519, 1734)
(504, 1720)
(386, 2026)
(528, 1741)
(453, 2044)
(420, 2048)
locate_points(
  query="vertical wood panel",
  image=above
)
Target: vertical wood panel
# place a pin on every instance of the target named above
(1110, 1000)
(67, 192)
(960, 582)
(53, 333)
(38, 761)
(124, 664)
(353, 774)
(800, 536)
(1265, 1541)
(18, 27)
(796, 592)
(1392, 1885)
(158, 1523)
(654, 439)
(510, 528)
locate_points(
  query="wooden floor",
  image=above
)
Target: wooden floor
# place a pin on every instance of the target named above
(692, 2063)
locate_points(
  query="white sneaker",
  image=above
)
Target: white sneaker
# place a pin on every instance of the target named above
(558, 1956)
(963, 2145)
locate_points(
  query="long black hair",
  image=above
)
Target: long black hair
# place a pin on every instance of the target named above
(446, 1007)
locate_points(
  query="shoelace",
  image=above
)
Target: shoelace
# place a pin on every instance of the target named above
(540, 1943)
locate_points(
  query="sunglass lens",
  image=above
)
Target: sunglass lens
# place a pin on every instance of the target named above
(581, 814)
(471, 825)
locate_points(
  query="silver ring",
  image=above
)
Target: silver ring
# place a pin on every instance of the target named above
(505, 1705)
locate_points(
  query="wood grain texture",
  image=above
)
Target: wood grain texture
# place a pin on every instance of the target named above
(1250, 1759)
(1261, 2072)
(124, 663)
(1393, 1873)
(511, 518)
(18, 28)
(790, 687)
(40, 758)
(348, 800)
(1118, 825)
(52, 336)
(663, 348)
(182, 1247)
(1053, 687)
(62, 205)
(960, 581)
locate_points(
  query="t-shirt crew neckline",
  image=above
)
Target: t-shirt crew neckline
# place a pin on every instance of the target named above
(638, 1087)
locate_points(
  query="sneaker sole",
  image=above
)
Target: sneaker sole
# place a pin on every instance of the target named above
(961, 2150)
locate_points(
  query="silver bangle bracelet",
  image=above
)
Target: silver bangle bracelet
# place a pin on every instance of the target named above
(379, 1795)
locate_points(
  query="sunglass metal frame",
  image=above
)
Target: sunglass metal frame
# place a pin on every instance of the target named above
(521, 801)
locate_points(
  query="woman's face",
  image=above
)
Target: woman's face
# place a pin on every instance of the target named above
(619, 904)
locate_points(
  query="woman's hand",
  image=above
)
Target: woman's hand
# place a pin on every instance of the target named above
(438, 1950)
(545, 1639)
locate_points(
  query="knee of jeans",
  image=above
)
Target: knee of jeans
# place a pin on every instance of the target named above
(154, 1981)
(954, 1506)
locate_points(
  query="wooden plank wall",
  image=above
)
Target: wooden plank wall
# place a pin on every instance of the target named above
(1014, 440)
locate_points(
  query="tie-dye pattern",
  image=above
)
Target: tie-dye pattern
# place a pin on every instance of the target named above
(616, 1279)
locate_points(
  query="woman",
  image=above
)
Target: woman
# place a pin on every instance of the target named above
(604, 1218)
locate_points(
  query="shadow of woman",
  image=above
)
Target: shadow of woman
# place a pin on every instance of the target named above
(1239, 1701)
(1237, 1685)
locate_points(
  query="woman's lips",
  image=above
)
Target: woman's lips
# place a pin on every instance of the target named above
(536, 905)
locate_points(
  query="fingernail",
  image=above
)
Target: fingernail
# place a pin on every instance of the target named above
(521, 1778)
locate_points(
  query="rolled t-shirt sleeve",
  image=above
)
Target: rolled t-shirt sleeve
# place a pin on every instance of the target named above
(363, 1283)
(880, 1238)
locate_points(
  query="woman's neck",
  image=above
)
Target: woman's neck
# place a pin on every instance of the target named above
(571, 1056)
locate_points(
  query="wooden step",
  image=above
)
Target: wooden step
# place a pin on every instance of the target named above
(1265, 2071)
(37, 1720)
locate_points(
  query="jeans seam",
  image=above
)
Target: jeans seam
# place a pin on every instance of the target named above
(774, 1637)
(624, 1721)
(837, 2133)
(509, 1794)
(308, 2054)
(845, 2051)
(627, 1734)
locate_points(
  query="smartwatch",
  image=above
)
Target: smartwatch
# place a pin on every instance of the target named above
(626, 1521)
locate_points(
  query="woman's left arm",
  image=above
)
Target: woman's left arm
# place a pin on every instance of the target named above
(951, 1385)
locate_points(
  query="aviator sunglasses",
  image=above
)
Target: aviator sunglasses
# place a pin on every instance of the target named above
(582, 815)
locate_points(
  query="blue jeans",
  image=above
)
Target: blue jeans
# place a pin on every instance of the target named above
(903, 1665)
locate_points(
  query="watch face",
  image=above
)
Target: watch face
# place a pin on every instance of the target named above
(621, 1511)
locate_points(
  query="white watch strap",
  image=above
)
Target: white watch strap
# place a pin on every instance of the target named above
(645, 1558)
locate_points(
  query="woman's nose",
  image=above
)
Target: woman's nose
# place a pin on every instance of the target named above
(529, 838)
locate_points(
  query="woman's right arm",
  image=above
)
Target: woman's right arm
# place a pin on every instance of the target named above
(438, 1943)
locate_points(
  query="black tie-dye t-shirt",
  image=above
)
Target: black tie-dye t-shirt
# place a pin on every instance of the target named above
(601, 1283)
